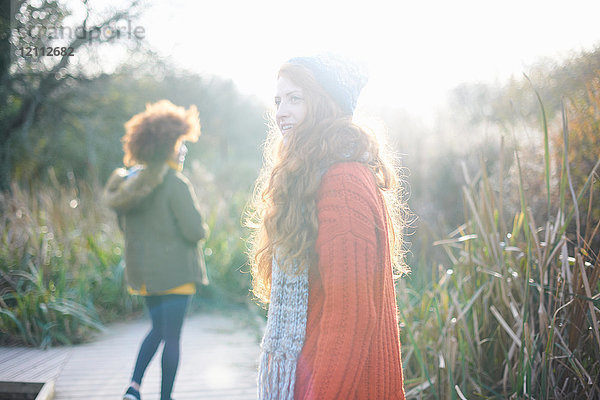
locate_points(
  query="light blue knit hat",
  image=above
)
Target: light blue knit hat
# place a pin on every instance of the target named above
(341, 78)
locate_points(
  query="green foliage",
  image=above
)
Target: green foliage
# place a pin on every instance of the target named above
(512, 313)
(61, 268)
(29, 84)
(79, 130)
(512, 106)
(60, 271)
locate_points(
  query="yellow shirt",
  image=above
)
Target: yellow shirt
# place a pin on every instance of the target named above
(186, 288)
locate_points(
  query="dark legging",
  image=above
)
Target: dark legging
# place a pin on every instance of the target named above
(167, 313)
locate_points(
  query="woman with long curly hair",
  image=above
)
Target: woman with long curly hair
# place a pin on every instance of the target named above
(159, 214)
(327, 223)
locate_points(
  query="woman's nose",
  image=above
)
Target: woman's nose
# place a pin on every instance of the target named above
(281, 110)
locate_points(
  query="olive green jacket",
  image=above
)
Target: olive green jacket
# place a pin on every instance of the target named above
(158, 213)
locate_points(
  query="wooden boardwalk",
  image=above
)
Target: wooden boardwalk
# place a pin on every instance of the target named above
(218, 361)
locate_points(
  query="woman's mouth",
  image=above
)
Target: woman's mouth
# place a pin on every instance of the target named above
(285, 127)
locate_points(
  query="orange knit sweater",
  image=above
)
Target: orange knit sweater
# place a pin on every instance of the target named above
(352, 347)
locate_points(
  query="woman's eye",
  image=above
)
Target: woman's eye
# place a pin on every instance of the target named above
(296, 99)
(277, 102)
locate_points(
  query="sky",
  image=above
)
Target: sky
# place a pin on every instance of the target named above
(416, 51)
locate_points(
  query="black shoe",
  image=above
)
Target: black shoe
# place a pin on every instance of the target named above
(131, 394)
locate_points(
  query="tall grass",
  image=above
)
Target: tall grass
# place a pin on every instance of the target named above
(514, 311)
(60, 269)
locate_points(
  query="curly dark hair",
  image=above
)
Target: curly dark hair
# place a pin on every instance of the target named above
(154, 135)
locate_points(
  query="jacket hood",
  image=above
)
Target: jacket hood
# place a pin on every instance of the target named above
(127, 188)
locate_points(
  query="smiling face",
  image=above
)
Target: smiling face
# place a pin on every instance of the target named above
(291, 105)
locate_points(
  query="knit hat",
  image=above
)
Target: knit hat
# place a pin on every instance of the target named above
(341, 78)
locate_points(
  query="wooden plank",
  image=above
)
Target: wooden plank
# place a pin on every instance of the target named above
(42, 367)
(8, 353)
(218, 361)
(33, 365)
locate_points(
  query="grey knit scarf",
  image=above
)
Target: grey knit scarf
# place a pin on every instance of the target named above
(284, 335)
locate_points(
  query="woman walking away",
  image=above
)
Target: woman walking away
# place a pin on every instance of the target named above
(158, 213)
(327, 224)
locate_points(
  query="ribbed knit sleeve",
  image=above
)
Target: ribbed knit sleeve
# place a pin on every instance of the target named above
(346, 246)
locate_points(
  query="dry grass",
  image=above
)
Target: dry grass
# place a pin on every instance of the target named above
(60, 274)
(514, 313)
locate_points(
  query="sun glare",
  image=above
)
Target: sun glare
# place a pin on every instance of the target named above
(415, 52)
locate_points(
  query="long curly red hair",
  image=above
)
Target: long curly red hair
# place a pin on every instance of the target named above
(154, 135)
(282, 214)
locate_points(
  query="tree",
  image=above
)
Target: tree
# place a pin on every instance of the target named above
(27, 83)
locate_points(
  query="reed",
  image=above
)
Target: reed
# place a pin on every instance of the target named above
(60, 270)
(513, 313)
